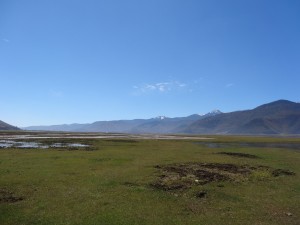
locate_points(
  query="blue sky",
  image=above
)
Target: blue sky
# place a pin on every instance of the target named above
(66, 61)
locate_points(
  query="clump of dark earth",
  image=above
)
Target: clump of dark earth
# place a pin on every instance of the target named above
(236, 154)
(181, 176)
(281, 172)
(9, 197)
(201, 194)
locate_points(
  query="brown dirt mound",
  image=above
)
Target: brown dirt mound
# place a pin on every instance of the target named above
(185, 175)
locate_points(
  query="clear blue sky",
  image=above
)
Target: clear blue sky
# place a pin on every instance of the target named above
(66, 61)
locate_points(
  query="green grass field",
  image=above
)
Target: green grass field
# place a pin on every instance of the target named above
(152, 182)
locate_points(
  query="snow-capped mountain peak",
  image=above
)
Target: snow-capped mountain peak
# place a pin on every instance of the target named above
(216, 111)
(211, 113)
(161, 117)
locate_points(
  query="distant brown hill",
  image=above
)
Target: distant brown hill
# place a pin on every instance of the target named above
(279, 117)
(6, 126)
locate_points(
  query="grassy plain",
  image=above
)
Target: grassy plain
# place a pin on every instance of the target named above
(113, 182)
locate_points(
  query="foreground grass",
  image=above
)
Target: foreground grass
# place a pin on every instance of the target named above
(111, 184)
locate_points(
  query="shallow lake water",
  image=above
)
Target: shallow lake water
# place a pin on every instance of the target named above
(25, 144)
(98, 136)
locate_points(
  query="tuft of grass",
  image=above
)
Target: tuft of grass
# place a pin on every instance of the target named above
(260, 175)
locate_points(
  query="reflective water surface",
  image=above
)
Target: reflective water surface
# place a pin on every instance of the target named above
(32, 144)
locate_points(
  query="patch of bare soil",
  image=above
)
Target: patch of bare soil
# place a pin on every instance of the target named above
(9, 197)
(237, 154)
(182, 176)
(281, 172)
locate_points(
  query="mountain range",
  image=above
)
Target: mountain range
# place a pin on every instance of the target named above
(160, 124)
(279, 117)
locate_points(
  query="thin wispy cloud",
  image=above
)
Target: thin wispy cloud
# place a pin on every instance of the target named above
(5, 40)
(160, 87)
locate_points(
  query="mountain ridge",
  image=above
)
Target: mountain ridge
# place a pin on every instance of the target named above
(6, 126)
(278, 117)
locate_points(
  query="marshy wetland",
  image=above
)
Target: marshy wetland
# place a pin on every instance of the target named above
(130, 179)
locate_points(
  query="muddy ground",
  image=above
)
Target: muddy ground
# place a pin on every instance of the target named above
(9, 197)
(238, 154)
